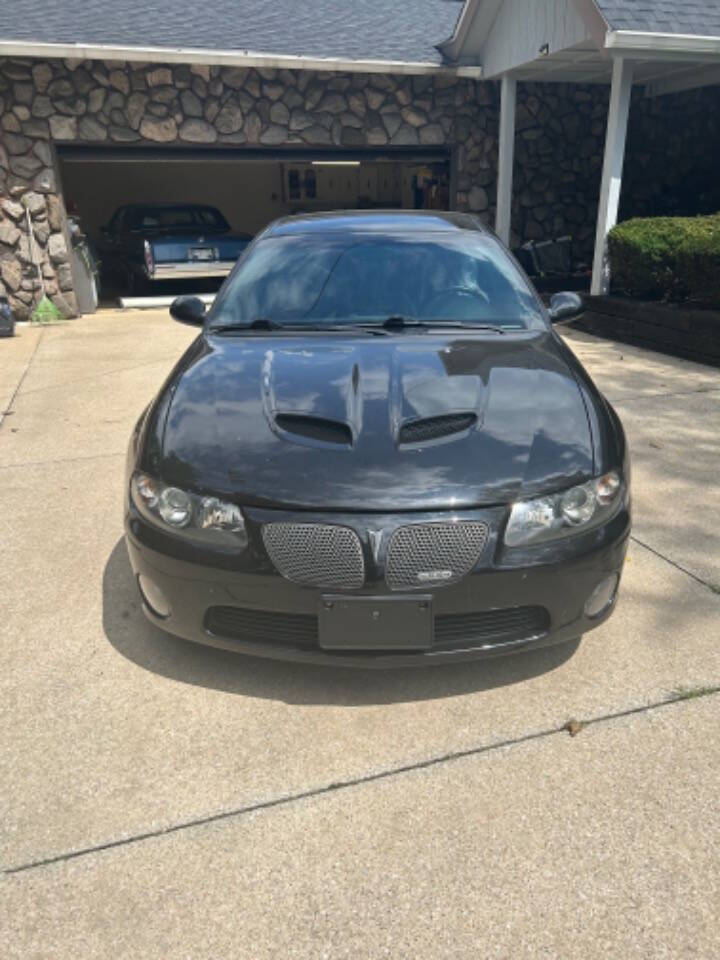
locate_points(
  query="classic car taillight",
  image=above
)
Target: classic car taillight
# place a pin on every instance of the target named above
(149, 261)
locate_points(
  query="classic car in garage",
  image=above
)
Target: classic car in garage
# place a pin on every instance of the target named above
(146, 243)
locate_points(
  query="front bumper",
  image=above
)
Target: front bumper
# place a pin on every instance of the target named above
(188, 270)
(512, 600)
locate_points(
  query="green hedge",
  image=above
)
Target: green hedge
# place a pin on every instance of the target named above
(667, 258)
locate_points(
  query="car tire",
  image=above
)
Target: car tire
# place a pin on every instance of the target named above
(136, 286)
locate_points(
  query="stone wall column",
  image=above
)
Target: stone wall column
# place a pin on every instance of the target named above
(28, 184)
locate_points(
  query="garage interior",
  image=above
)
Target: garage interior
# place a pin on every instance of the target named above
(249, 187)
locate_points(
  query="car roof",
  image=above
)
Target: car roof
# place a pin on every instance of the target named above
(377, 221)
(167, 205)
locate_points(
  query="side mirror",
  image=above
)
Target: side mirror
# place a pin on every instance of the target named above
(565, 306)
(189, 310)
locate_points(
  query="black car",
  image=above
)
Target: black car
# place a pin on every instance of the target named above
(378, 451)
(146, 243)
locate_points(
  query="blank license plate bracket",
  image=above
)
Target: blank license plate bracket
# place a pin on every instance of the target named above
(375, 623)
(202, 253)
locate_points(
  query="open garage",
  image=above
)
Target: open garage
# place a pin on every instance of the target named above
(249, 187)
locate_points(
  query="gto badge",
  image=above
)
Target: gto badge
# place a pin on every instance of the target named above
(434, 576)
(375, 537)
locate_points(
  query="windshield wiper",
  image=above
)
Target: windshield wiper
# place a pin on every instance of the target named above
(266, 324)
(400, 322)
(380, 329)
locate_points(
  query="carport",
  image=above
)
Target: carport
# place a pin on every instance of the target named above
(658, 47)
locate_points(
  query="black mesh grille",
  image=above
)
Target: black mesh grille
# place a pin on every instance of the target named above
(490, 626)
(300, 630)
(315, 428)
(316, 554)
(433, 428)
(433, 553)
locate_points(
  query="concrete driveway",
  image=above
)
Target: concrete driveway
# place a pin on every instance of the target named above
(166, 800)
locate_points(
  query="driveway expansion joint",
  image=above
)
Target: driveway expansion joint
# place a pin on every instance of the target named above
(18, 385)
(676, 697)
(673, 563)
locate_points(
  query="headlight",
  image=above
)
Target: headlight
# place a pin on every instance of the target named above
(560, 514)
(205, 519)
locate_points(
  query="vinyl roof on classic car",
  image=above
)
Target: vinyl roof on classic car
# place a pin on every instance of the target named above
(376, 221)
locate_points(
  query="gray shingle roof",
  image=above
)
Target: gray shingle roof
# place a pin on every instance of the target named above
(698, 17)
(348, 29)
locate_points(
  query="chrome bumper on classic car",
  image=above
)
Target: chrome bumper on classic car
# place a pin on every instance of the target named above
(186, 270)
(379, 590)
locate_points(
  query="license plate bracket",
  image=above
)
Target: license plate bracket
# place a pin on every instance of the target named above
(201, 253)
(375, 623)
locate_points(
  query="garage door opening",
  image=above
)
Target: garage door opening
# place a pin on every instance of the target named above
(248, 188)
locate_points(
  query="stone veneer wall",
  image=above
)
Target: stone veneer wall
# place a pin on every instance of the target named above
(558, 155)
(559, 146)
(94, 102)
(672, 165)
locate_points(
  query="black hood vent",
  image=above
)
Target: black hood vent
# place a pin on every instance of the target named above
(315, 428)
(435, 428)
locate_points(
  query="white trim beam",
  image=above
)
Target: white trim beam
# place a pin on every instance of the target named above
(664, 45)
(506, 157)
(683, 80)
(229, 58)
(611, 184)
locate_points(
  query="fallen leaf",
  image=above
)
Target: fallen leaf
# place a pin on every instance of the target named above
(573, 727)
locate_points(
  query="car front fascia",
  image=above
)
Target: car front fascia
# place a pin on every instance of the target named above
(558, 575)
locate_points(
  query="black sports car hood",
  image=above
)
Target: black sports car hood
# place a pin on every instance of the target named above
(350, 422)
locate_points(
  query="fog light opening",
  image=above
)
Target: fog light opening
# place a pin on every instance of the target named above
(153, 597)
(602, 597)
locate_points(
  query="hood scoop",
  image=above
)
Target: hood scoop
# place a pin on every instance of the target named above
(319, 429)
(435, 428)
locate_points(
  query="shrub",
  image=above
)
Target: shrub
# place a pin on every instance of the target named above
(667, 258)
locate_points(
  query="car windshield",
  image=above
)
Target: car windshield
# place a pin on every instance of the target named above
(174, 218)
(461, 277)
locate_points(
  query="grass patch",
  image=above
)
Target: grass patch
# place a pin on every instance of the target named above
(46, 312)
(693, 693)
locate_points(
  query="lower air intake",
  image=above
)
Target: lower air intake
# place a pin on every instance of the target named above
(452, 631)
(263, 626)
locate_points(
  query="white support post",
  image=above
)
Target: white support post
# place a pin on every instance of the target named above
(506, 153)
(618, 112)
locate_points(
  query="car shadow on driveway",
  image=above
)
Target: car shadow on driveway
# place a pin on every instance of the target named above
(139, 641)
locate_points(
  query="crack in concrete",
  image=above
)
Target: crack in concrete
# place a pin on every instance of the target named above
(711, 587)
(672, 700)
(11, 403)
